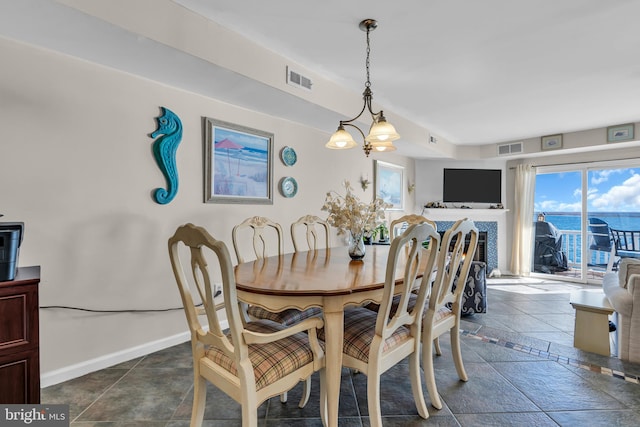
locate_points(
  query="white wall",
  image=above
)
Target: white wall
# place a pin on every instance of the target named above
(76, 166)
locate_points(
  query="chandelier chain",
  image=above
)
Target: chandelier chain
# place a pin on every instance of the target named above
(368, 83)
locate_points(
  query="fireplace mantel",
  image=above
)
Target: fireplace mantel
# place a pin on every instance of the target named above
(450, 213)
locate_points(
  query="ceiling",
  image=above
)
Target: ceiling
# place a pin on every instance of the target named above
(472, 72)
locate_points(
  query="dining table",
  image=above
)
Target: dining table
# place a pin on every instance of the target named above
(325, 278)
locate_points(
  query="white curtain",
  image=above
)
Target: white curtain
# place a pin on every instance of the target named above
(523, 220)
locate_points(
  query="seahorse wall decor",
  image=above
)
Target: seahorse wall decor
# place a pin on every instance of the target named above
(164, 151)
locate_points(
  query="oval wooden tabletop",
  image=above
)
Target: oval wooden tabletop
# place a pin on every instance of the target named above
(322, 272)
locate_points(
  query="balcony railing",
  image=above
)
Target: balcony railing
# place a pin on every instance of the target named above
(572, 247)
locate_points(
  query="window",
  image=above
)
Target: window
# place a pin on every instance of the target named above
(573, 207)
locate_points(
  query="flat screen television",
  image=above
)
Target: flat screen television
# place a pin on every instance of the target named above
(472, 186)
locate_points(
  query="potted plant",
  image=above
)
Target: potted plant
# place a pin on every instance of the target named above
(381, 233)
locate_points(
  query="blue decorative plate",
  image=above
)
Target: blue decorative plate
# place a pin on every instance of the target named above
(288, 186)
(289, 156)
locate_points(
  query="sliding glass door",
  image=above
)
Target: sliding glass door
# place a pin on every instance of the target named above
(557, 221)
(613, 204)
(575, 209)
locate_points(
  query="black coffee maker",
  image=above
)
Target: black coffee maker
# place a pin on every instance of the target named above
(10, 240)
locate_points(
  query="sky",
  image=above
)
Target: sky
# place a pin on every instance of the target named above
(608, 190)
(245, 139)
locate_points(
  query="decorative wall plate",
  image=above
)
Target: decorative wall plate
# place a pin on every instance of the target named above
(288, 156)
(288, 186)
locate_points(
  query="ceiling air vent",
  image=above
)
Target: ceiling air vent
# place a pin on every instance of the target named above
(296, 79)
(507, 149)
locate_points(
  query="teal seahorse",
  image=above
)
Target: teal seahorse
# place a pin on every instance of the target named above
(164, 150)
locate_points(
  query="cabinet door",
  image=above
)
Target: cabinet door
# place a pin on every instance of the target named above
(18, 372)
(19, 353)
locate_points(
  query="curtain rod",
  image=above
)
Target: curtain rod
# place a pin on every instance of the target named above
(577, 163)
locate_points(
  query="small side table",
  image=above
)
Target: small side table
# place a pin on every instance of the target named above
(591, 331)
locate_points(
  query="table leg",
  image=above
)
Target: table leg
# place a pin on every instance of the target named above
(334, 333)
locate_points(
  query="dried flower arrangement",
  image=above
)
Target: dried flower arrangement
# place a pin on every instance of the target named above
(348, 214)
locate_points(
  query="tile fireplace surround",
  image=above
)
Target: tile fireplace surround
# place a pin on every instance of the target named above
(489, 227)
(492, 221)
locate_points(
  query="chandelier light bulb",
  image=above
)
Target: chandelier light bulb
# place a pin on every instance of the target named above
(341, 140)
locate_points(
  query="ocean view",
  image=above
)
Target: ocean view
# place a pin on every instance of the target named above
(571, 220)
(569, 223)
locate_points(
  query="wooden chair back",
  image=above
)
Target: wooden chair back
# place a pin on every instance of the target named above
(266, 238)
(454, 262)
(410, 242)
(316, 231)
(397, 225)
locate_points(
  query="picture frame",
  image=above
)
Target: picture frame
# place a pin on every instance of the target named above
(551, 142)
(620, 133)
(388, 184)
(238, 163)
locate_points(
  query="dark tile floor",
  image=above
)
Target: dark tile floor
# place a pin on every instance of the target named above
(522, 367)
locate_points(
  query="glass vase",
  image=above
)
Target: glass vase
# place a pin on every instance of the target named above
(356, 245)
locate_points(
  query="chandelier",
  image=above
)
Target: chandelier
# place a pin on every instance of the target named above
(381, 133)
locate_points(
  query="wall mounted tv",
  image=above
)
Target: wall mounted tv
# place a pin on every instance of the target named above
(472, 186)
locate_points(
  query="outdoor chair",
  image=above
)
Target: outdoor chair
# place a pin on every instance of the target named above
(627, 243)
(601, 241)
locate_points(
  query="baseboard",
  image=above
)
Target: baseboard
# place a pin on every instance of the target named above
(74, 371)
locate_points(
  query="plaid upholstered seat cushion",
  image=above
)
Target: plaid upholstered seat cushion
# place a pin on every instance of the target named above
(359, 329)
(270, 361)
(443, 313)
(287, 317)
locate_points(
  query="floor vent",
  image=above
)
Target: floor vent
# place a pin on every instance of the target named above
(507, 149)
(296, 79)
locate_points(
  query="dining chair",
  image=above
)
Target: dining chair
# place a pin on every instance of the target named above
(260, 226)
(396, 228)
(397, 225)
(376, 341)
(262, 231)
(251, 362)
(313, 228)
(454, 262)
(266, 235)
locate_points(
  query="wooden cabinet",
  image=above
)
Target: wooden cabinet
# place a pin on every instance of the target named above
(19, 338)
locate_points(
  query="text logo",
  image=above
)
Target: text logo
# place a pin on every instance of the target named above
(34, 415)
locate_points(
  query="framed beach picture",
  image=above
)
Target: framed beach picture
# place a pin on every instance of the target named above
(552, 142)
(620, 133)
(388, 183)
(238, 164)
